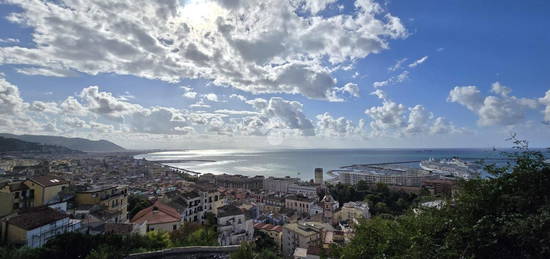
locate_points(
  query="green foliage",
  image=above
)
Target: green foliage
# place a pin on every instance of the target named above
(251, 250)
(380, 198)
(137, 203)
(78, 245)
(20, 253)
(507, 216)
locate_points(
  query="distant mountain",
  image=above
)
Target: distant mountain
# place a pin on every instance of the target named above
(8, 145)
(80, 144)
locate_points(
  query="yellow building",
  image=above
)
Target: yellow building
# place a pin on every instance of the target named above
(45, 188)
(14, 196)
(111, 198)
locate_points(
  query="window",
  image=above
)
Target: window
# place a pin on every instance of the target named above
(174, 227)
(16, 195)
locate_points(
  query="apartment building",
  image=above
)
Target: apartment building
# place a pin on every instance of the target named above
(112, 198)
(193, 205)
(304, 235)
(299, 203)
(15, 195)
(233, 226)
(46, 188)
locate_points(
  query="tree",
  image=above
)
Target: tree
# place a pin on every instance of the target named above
(506, 216)
(137, 203)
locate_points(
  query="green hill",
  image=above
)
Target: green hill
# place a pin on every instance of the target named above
(8, 145)
(80, 144)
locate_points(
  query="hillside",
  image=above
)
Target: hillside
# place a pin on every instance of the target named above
(8, 145)
(80, 144)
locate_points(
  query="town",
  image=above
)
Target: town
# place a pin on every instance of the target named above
(43, 197)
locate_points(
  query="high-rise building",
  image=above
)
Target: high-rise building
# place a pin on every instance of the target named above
(319, 175)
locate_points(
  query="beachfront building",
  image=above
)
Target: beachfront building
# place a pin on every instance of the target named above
(387, 176)
(239, 182)
(279, 184)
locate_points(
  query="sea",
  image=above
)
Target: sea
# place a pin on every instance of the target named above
(302, 162)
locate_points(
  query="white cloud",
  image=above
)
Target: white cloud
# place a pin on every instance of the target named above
(236, 112)
(393, 80)
(190, 95)
(391, 118)
(418, 62)
(211, 97)
(315, 6)
(397, 65)
(242, 44)
(546, 101)
(350, 89)
(9, 40)
(329, 126)
(47, 107)
(10, 101)
(239, 97)
(493, 110)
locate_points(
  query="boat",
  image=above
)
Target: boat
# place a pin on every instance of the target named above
(454, 166)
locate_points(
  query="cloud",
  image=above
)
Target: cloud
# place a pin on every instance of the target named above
(393, 80)
(329, 126)
(241, 44)
(211, 97)
(239, 97)
(315, 6)
(350, 89)
(236, 112)
(10, 101)
(9, 40)
(47, 107)
(391, 118)
(500, 109)
(397, 65)
(419, 61)
(546, 101)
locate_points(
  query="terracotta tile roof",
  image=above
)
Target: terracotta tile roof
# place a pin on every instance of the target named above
(48, 181)
(36, 217)
(156, 214)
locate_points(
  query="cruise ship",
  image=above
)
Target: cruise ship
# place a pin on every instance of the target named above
(454, 167)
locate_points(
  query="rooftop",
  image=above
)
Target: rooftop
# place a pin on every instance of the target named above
(48, 181)
(229, 210)
(156, 214)
(37, 217)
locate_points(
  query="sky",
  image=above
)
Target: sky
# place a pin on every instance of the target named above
(184, 74)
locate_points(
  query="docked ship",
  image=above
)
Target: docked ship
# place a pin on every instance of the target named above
(454, 167)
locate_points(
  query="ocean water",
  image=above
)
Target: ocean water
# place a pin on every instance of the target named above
(302, 162)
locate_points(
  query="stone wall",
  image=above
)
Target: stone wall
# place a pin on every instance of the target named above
(191, 252)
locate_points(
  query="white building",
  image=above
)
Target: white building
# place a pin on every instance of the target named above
(386, 176)
(280, 185)
(35, 227)
(233, 226)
